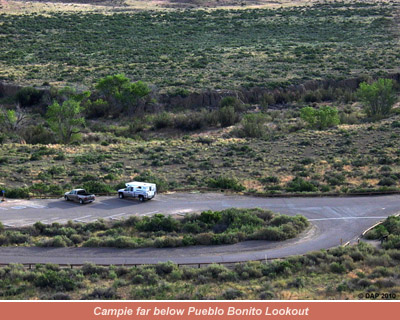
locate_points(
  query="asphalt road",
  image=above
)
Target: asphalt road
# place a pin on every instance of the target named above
(334, 221)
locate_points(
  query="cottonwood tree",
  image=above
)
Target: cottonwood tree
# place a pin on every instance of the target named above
(122, 95)
(66, 120)
(378, 97)
(13, 120)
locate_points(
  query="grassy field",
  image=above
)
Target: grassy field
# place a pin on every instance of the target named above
(225, 48)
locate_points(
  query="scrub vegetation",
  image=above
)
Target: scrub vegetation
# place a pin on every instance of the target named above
(340, 273)
(223, 49)
(266, 98)
(285, 100)
(208, 228)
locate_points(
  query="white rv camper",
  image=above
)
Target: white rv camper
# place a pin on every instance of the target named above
(141, 190)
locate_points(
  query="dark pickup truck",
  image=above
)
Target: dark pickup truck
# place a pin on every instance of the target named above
(79, 195)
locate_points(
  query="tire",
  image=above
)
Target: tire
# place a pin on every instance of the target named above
(80, 201)
(66, 198)
(141, 198)
(121, 195)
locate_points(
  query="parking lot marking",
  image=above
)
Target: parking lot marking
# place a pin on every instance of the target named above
(114, 216)
(79, 219)
(18, 207)
(148, 213)
(36, 206)
(345, 218)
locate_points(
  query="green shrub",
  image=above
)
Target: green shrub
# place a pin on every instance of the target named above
(163, 120)
(225, 183)
(28, 97)
(253, 126)
(17, 193)
(322, 118)
(232, 294)
(300, 185)
(227, 116)
(158, 222)
(97, 187)
(59, 280)
(337, 268)
(270, 233)
(165, 268)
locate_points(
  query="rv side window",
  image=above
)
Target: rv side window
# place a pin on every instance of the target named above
(151, 188)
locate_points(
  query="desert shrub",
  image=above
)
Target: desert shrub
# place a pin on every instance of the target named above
(300, 185)
(168, 242)
(387, 181)
(102, 294)
(93, 242)
(227, 116)
(222, 182)
(204, 238)
(17, 193)
(232, 102)
(14, 237)
(269, 233)
(38, 134)
(57, 241)
(210, 217)
(165, 268)
(120, 242)
(253, 126)
(59, 280)
(158, 222)
(232, 294)
(163, 120)
(392, 242)
(28, 97)
(59, 296)
(190, 121)
(336, 267)
(270, 179)
(97, 187)
(91, 268)
(378, 260)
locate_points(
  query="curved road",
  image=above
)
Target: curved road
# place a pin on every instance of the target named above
(334, 220)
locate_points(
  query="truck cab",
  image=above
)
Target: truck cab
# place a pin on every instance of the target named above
(141, 190)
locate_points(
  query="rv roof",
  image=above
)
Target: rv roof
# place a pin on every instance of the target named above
(137, 184)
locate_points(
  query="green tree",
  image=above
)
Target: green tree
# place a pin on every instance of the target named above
(122, 94)
(321, 118)
(378, 97)
(65, 120)
(12, 120)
